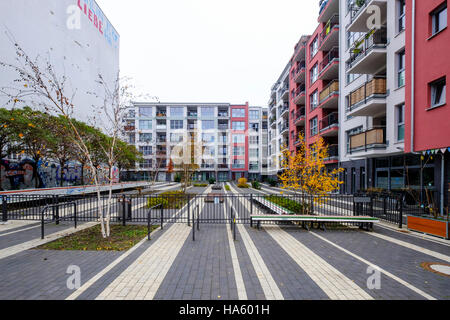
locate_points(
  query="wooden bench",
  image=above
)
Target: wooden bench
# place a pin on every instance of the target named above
(365, 221)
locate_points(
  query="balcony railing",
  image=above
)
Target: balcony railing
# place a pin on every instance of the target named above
(238, 166)
(223, 114)
(301, 113)
(331, 24)
(223, 166)
(130, 128)
(161, 114)
(331, 88)
(207, 166)
(301, 90)
(374, 39)
(253, 167)
(369, 139)
(192, 114)
(223, 127)
(284, 108)
(370, 90)
(332, 56)
(283, 128)
(333, 152)
(329, 121)
(192, 127)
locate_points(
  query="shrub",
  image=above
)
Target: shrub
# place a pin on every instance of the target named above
(242, 183)
(291, 205)
(177, 178)
(272, 182)
(256, 185)
(169, 200)
(227, 187)
(212, 180)
(200, 185)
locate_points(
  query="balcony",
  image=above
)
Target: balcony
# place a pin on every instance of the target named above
(223, 167)
(192, 114)
(284, 110)
(161, 114)
(130, 128)
(192, 126)
(223, 127)
(299, 95)
(283, 93)
(253, 167)
(333, 153)
(161, 127)
(329, 96)
(223, 114)
(329, 66)
(161, 154)
(368, 141)
(208, 166)
(329, 126)
(300, 51)
(238, 166)
(299, 74)
(283, 128)
(359, 14)
(369, 99)
(368, 54)
(300, 117)
(329, 37)
(327, 9)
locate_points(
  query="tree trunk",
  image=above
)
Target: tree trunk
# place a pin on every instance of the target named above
(82, 174)
(61, 173)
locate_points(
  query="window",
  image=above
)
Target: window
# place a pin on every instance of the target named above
(145, 112)
(238, 138)
(146, 164)
(314, 73)
(254, 153)
(145, 124)
(176, 137)
(145, 137)
(401, 69)
(207, 124)
(208, 137)
(176, 124)
(400, 122)
(401, 15)
(207, 112)
(238, 113)
(438, 94)
(253, 140)
(176, 112)
(238, 164)
(313, 126)
(254, 126)
(254, 115)
(439, 19)
(314, 100)
(146, 150)
(238, 126)
(314, 47)
(238, 151)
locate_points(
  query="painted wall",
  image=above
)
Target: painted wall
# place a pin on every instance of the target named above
(76, 37)
(431, 126)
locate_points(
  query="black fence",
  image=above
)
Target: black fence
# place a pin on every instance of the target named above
(216, 208)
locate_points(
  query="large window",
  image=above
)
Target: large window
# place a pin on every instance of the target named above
(253, 153)
(238, 138)
(401, 69)
(145, 137)
(208, 112)
(400, 122)
(401, 15)
(176, 137)
(254, 115)
(238, 164)
(438, 92)
(176, 124)
(238, 126)
(146, 150)
(145, 112)
(145, 124)
(314, 47)
(314, 100)
(208, 124)
(254, 126)
(176, 112)
(238, 113)
(439, 19)
(238, 151)
(313, 127)
(208, 137)
(253, 140)
(314, 73)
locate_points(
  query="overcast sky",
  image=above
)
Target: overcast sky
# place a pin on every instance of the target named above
(208, 50)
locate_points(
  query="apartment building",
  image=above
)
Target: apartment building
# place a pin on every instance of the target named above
(225, 141)
(279, 121)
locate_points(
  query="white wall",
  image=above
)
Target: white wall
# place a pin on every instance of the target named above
(41, 28)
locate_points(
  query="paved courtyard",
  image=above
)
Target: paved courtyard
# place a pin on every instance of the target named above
(275, 263)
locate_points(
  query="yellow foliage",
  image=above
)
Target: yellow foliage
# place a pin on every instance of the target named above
(242, 182)
(305, 170)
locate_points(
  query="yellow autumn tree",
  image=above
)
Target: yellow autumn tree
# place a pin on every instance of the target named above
(305, 171)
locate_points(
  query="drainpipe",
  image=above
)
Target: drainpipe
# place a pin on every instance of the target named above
(442, 182)
(413, 46)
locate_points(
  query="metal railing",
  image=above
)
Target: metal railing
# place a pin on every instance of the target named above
(56, 216)
(375, 88)
(332, 23)
(329, 121)
(331, 56)
(362, 47)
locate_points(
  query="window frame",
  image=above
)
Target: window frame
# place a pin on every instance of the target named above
(435, 14)
(433, 88)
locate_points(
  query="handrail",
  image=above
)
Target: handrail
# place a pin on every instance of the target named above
(56, 216)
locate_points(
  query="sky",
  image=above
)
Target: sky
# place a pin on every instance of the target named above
(208, 50)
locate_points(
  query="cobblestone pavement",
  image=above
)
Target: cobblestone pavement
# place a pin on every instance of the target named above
(277, 262)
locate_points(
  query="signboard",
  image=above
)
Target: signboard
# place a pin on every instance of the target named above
(362, 200)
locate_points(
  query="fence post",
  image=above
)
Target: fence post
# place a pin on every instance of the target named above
(4, 208)
(162, 213)
(124, 216)
(234, 227)
(42, 223)
(251, 204)
(56, 209)
(371, 207)
(401, 215)
(75, 214)
(198, 218)
(189, 210)
(148, 224)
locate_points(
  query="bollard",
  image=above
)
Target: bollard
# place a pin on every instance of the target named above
(4, 208)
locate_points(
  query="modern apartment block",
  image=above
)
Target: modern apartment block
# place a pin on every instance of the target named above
(225, 141)
(279, 121)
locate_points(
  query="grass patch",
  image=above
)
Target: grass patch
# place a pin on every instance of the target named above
(295, 207)
(122, 238)
(200, 185)
(227, 187)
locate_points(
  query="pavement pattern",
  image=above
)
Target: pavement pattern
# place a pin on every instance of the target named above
(278, 262)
